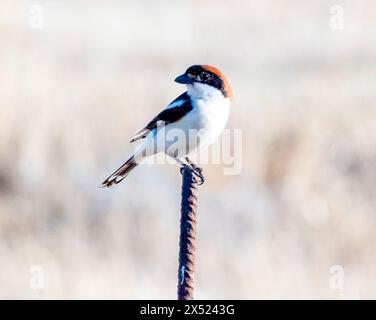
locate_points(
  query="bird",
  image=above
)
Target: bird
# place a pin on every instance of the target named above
(189, 124)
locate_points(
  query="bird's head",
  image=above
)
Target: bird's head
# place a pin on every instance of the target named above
(204, 78)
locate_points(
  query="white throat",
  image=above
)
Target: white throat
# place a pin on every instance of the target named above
(203, 91)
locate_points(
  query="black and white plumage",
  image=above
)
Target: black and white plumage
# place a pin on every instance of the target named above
(188, 124)
(174, 111)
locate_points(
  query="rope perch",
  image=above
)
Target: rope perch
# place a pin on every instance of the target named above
(187, 243)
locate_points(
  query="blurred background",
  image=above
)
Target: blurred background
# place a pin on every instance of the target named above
(78, 78)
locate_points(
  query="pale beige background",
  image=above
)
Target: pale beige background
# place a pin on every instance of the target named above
(73, 93)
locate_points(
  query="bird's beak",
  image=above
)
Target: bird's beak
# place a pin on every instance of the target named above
(183, 79)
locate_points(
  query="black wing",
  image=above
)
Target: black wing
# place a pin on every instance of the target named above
(167, 116)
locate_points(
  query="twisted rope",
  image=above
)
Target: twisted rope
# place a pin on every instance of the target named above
(187, 243)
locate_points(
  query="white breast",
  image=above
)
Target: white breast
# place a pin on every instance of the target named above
(212, 117)
(197, 129)
(209, 115)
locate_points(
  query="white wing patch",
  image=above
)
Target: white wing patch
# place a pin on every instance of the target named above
(180, 101)
(176, 103)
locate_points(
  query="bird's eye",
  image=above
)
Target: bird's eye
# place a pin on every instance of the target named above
(205, 76)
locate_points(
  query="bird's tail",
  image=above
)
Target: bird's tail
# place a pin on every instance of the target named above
(120, 173)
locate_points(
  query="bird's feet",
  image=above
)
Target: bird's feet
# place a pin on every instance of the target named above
(199, 177)
(184, 167)
(197, 171)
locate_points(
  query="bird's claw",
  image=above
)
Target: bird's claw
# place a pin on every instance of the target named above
(197, 172)
(199, 177)
(184, 167)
